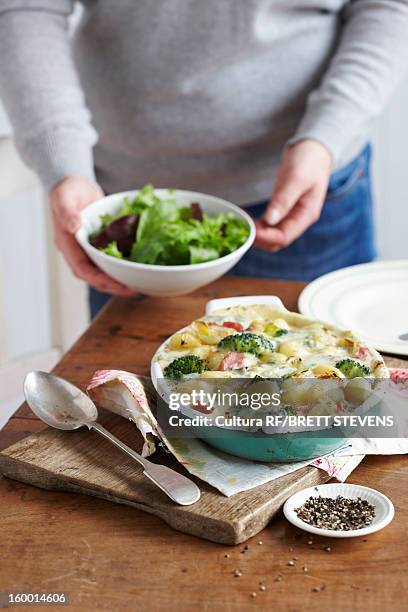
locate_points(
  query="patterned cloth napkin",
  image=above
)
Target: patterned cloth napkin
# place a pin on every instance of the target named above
(132, 397)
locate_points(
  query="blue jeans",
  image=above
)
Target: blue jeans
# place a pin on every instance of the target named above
(343, 236)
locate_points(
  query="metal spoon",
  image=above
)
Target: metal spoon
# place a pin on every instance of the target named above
(62, 405)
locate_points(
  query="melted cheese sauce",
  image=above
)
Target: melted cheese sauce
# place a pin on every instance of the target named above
(309, 350)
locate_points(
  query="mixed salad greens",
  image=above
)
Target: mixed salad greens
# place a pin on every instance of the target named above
(154, 230)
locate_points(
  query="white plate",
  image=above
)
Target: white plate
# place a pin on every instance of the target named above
(384, 509)
(370, 299)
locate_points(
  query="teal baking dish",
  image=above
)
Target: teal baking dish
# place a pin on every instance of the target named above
(261, 446)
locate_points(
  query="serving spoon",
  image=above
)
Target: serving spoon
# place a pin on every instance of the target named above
(62, 405)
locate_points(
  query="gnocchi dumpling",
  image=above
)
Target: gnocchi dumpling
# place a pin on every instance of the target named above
(357, 391)
(291, 348)
(184, 340)
(327, 371)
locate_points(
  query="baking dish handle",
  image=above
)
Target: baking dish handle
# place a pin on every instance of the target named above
(243, 300)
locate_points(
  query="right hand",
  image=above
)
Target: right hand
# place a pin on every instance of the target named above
(67, 199)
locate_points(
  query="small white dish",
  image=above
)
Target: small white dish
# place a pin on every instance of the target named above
(384, 508)
(154, 279)
(371, 299)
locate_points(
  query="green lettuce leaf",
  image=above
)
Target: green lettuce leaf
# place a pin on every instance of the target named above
(168, 234)
(112, 250)
(201, 254)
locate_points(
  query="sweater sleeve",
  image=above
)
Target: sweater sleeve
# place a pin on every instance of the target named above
(370, 60)
(41, 91)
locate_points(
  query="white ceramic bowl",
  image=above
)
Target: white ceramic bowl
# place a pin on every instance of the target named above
(162, 280)
(384, 508)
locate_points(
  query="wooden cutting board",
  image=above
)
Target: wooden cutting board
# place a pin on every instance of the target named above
(83, 462)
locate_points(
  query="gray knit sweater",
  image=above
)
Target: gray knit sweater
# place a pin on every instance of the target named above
(195, 94)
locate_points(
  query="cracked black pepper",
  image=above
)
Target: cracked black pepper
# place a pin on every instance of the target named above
(339, 513)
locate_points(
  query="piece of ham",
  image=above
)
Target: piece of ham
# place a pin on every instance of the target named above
(231, 324)
(362, 353)
(234, 361)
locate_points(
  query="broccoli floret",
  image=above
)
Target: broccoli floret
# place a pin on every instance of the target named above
(280, 332)
(274, 330)
(188, 364)
(247, 343)
(352, 368)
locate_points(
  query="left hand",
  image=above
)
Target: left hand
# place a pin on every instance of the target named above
(299, 193)
(67, 199)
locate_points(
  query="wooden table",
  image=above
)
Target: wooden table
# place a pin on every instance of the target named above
(111, 557)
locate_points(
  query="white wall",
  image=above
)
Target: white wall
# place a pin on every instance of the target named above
(391, 177)
(23, 258)
(43, 308)
(25, 332)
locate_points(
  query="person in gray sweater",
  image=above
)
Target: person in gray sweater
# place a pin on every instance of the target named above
(239, 98)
